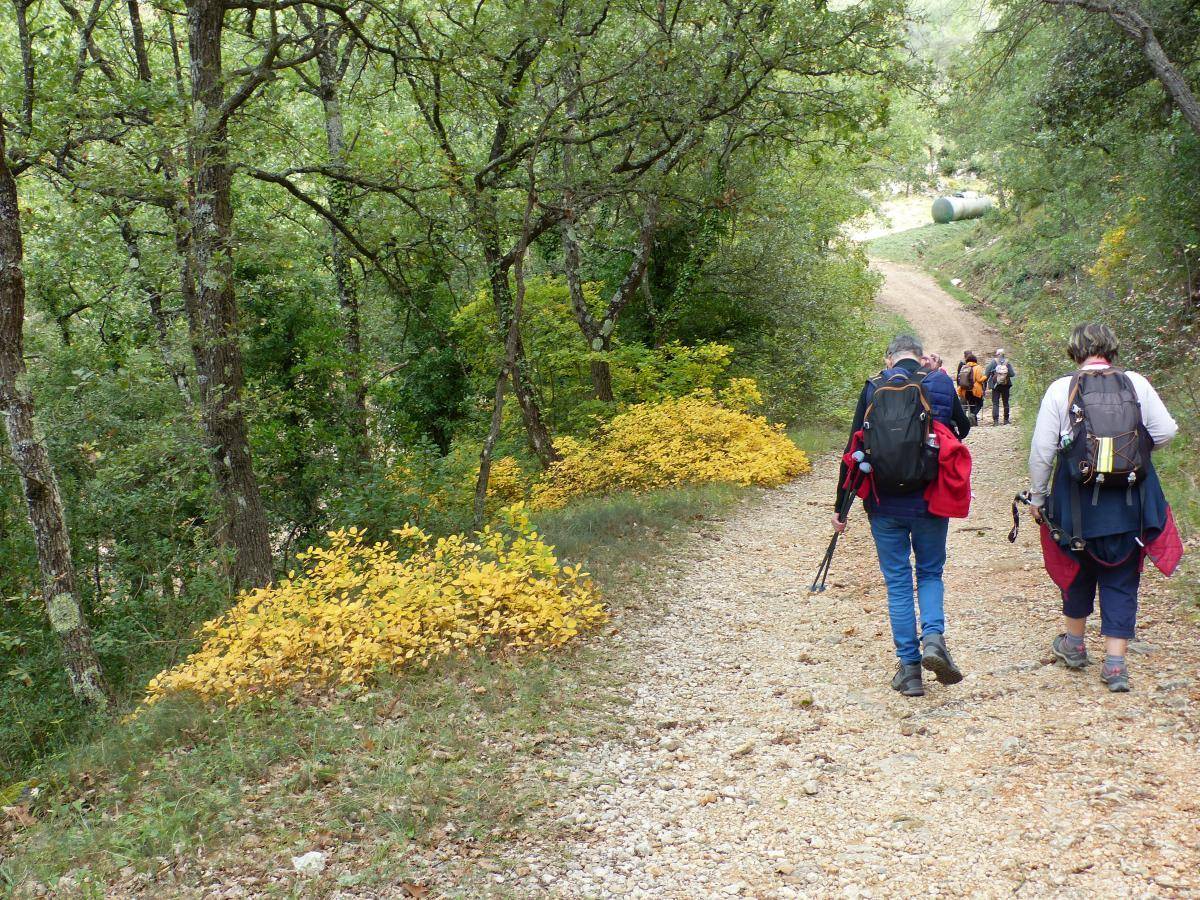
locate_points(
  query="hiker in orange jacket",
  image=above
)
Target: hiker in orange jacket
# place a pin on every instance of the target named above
(972, 384)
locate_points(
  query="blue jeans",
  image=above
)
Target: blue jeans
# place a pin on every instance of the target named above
(896, 540)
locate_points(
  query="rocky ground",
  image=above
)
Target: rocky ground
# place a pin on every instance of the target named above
(765, 754)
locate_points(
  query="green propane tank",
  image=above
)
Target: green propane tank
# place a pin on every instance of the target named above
(957, 208)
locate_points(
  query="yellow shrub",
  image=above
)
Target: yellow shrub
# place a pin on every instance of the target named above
(506, 480)
(742, 394)
(1116, 252)
(689, 439)
(360, 608)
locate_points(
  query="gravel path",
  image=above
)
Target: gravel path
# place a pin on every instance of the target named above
(766, 756)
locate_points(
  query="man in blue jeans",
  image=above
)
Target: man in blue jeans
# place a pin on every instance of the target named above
(903, 529)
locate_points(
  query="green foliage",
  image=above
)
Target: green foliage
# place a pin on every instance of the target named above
(561, 360)
(750, 275)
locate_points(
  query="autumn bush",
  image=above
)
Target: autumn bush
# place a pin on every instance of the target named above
(358, 609)
(693, 439)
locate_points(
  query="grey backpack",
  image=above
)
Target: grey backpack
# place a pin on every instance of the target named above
(1110, 446)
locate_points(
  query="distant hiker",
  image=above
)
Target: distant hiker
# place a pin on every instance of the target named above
(1000, 373)
(1098, 498)
(908, 423)
(971, 385)
(962, 362)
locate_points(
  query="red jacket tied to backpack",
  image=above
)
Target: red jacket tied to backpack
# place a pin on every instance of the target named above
(948, 495)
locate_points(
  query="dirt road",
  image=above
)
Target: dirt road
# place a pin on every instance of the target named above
(944, 325)
(766, 756)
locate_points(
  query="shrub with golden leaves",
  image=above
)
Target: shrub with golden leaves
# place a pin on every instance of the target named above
(359, 609)
(653, 445)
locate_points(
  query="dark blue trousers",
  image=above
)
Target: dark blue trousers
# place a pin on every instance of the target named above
(1118, 589)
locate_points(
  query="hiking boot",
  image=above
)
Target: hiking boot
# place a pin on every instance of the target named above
(908, 680)
(1117, 678)
(937, 660)
(1072, 657)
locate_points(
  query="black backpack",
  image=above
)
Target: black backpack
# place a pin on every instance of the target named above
(897, 427)
(1109, 445)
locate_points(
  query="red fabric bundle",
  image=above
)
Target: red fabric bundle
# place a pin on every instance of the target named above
(1166, 550)
(949, 495)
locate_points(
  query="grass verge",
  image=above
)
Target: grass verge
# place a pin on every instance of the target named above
(185, 790)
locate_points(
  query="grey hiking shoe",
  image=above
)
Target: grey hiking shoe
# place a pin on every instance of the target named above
(937, 660)
(1071, 657)
(908, 680)
(1116, 679)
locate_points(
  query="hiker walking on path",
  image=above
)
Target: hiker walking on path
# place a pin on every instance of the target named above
(909, 424)
(1000, 373)
(1097, 496)
(972, 383)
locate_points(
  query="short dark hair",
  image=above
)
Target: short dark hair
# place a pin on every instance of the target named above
(1093, 339)
(970, 357)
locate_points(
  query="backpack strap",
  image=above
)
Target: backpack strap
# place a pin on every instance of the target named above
(1077, 541)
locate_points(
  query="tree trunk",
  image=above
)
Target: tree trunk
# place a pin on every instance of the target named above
(535, 426)
(154, 300)
(213, 318)
(598, 333)
(342, 205)
(602, 379)
(508, 367)
(489, 444)
(46, 514)
(25, 41)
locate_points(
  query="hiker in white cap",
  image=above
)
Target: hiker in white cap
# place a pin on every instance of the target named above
(1000, 374)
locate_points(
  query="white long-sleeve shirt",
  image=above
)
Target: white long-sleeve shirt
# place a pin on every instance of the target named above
(1053, 422)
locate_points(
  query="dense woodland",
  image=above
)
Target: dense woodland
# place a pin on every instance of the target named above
(286, 267)
(269, 269)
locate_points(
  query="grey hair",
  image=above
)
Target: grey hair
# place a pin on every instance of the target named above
(1093, 339)
(906, 344)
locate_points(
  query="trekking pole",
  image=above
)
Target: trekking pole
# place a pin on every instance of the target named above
(843, 511)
